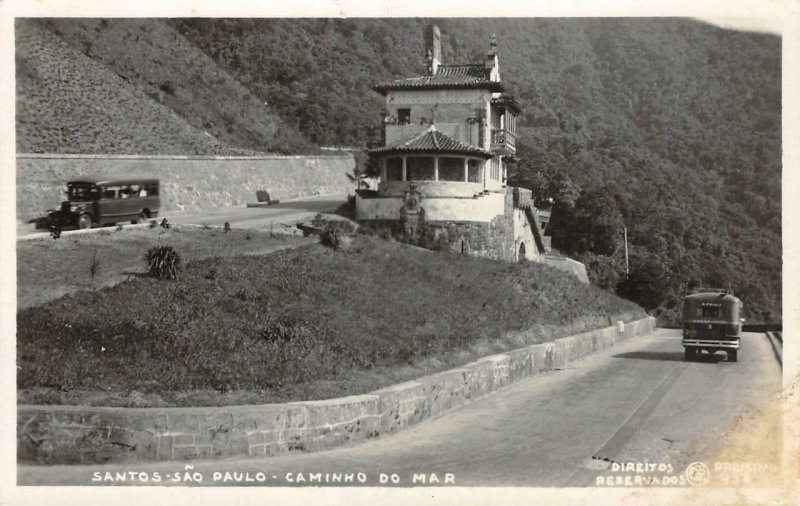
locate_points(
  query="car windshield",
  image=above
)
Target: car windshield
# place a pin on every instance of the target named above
(82, 192)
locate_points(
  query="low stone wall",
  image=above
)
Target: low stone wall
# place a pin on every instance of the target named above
(198, 183)
(567, 265)
(75, 434)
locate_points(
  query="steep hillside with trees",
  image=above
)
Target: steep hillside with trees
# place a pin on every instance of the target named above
(668, 128)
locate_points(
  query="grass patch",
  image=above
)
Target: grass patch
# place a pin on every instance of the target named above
(48, 269)
(306, 323)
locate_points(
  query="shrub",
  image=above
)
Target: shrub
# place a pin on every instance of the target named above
(163, 262)
(334, 237)
(348, 209)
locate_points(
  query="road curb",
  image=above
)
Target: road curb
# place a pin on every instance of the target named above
(776, 341)
(84, 435)
(67, 233)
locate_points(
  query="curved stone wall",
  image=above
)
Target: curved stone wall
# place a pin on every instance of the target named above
(76, 434)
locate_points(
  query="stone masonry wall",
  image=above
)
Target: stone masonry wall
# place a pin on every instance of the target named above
(76, 434)
(499, 239)
(187, 183)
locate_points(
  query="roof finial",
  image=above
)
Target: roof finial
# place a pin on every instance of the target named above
(493, 45)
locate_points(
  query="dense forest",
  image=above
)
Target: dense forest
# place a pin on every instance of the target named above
(667, 129)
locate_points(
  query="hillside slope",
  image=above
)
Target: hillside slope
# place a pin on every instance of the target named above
(667, 128)
(122, 86)
(670, 128)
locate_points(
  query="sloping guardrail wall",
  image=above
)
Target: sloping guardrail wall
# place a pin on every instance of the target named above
(76, 434)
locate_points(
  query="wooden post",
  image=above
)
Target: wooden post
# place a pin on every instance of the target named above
(625, 230)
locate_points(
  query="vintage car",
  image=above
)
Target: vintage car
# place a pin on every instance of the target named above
(93, 200)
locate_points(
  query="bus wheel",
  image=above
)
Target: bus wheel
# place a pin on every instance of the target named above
(85, 221)
(733, 355)
(142, 218)
(688, 354)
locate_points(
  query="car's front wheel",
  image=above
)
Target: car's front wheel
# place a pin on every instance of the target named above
(85, 221)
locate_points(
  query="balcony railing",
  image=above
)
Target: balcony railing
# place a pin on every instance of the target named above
(504, 140)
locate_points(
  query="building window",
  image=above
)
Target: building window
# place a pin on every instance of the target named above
(495, 174)
(404, 116)
(451, 169)
(394, 169)
(473, 171)
(420, 168)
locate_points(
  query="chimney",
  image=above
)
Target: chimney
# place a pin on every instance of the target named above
(433, 49)
(492, 59)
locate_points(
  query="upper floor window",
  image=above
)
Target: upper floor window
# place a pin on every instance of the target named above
(404, 116)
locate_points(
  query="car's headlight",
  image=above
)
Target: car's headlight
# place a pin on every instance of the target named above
(72, 209)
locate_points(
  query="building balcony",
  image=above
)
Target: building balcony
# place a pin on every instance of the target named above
(504, 141)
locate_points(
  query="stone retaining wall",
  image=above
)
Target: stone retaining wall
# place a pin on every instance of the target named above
(75, 434)
(196, 183)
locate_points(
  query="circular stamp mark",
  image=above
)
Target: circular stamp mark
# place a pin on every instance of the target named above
(698, 473)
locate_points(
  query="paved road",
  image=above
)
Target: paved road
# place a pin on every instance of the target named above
(239, 217)
(638, 402)
(260, 217)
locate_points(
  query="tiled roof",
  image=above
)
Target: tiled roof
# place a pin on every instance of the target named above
(447, 76)
(508, 100)
(433, 141)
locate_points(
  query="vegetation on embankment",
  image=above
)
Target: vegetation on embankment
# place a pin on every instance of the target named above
(48, 269)
(298, 324)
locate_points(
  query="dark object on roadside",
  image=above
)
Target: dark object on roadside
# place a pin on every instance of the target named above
(263, 196)
(94, 200)
(227, 227)
(42, 222)
(309, 229)
(165, 224)
(94, 267)
(55, 231)
(153, 224)
(163, 262)
(711, 322)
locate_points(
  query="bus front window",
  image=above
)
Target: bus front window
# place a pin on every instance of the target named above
(82, 192)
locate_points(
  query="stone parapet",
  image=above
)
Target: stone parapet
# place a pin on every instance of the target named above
(78, 434)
